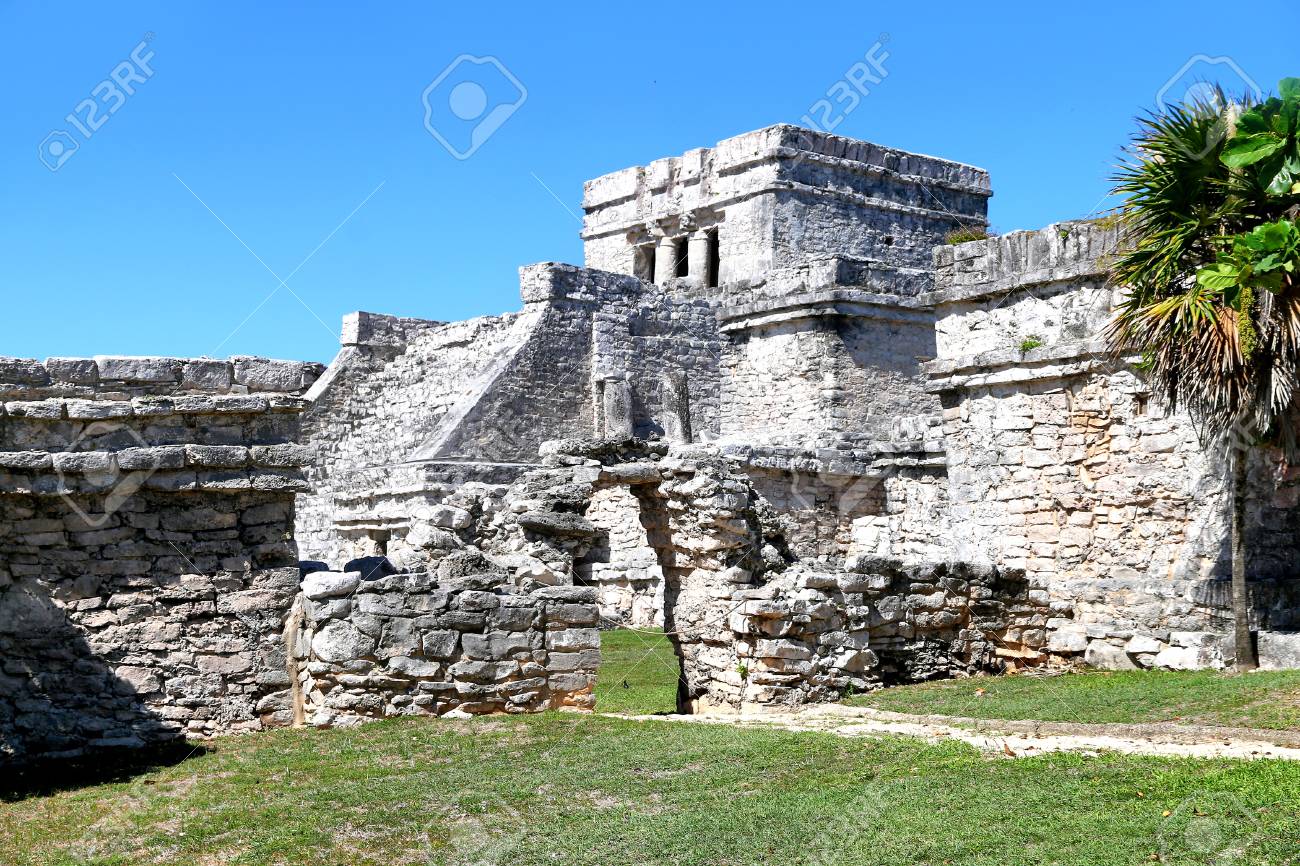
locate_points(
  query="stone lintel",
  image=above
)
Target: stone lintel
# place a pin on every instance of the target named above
(849, 303)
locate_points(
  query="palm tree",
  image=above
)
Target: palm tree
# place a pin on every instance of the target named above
(1211, 269)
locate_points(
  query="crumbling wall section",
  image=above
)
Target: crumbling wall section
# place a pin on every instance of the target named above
(811, 636)
(424, 644)
(751, 624)
(590, 352)
(622, 563)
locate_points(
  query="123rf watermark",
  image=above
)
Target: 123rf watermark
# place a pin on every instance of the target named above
(106, 98)
(468, 102)
(845, 95)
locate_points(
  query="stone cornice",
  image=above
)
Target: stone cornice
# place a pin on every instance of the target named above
(1009, 366)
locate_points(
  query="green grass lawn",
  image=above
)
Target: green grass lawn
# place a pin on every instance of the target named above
(1263, 699)
(574, 789)
(638, 673)
(562, 788)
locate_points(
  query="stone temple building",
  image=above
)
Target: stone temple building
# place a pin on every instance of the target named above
(776, 413)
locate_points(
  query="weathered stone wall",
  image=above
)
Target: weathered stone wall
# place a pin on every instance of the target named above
(813, 381)
(777, 196)
(146, 550)
(1043, 287)
(164, 620)
(1060, 465)
(411, 644)
(592, 352)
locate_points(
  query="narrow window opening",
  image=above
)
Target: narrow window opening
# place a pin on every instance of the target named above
(715, 259)
(681, 259)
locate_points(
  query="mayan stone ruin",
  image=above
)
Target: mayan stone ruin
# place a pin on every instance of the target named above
(775, 413)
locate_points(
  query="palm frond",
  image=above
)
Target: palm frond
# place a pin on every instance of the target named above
(1180, 204)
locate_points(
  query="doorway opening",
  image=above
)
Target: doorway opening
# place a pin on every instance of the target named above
(630, 565)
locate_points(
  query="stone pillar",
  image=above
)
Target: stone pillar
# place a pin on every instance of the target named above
(675, 402)
(665, 260)
(618, 408)
(698, 257)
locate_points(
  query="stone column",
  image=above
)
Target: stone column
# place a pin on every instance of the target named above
(698, 258)
(665, 260)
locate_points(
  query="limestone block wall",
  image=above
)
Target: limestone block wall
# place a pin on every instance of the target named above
(814, 381)
(667, 348)
(918, 524)
(1044, 287)
(146, 551)
(823, 353)
(412, 644)
(1060, 465)
(778, 195)
(751, 622)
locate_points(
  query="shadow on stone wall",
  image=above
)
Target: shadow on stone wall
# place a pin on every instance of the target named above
(64, 711)
(1273, 579)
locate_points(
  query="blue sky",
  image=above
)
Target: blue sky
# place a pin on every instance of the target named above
(270, 139)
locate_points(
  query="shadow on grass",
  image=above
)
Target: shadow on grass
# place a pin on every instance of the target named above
(42, 778)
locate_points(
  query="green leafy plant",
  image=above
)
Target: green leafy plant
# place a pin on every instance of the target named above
(743, 670)
(1030, 343)
(1267, 257)
(1263, 258)
(1266, 140)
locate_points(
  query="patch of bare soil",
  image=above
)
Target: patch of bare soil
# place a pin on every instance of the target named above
(1015, 739)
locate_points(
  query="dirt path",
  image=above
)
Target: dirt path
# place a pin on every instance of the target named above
(1019, 738)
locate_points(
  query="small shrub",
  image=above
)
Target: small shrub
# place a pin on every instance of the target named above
(1030, 343)
(743, 670)
(963, 234)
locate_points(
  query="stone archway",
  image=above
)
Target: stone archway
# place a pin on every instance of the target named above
(664, 536)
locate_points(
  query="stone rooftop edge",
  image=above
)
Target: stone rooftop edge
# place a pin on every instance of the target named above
(1062, 251)
(784, 141)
